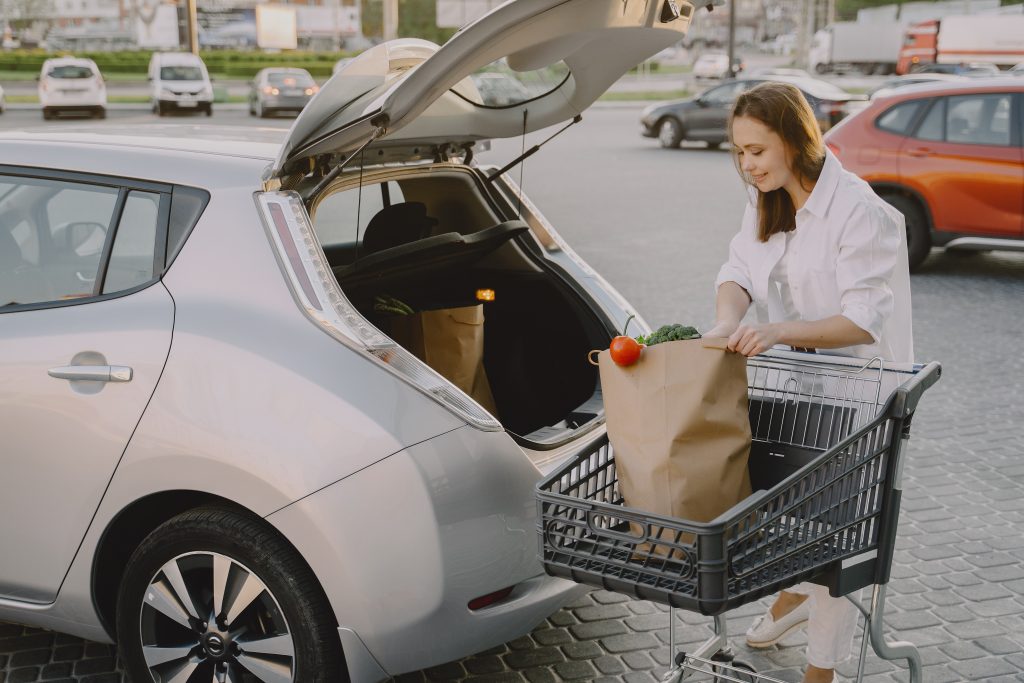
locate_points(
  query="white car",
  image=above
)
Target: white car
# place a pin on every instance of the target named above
(711, 65)
(72, 84)
(179, 81)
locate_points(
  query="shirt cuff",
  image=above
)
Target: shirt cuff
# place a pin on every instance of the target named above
(730, 274)
(865, 318)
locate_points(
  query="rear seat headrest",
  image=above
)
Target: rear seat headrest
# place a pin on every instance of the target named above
(397, 224)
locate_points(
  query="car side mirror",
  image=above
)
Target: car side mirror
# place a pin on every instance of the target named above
(701, 102)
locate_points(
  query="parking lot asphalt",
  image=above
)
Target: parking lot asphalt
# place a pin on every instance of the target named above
(957, 590)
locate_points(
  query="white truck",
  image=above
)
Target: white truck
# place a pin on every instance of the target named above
(869, 47)
(968, 39)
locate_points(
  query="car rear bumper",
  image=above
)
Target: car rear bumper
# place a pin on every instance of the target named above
(295, 103)
(402, 547)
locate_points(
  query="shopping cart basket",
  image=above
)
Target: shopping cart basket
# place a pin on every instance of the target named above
(826, 467)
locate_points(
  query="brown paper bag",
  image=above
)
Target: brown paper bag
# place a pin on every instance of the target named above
(678, 424)
(451, 341)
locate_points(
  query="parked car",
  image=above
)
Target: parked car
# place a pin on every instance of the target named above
(179, 81)
(500, 89)
(72, 84)
(890, 85)
(705, 117)
(973, 69)
(949, 156)
(711, 65)
(275, 90)
(212, 452)
(770, 71)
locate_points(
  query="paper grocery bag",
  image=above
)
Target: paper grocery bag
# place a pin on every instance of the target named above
(677, 421)
(451, 341)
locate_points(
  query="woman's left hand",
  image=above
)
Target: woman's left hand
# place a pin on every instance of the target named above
(751, 340)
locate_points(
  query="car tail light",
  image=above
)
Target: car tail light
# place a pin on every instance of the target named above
(490, 598)
(270, 90)
(313, 90)
(322, 300)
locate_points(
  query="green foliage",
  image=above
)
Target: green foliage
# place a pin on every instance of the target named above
(416, 19)
(234, 63)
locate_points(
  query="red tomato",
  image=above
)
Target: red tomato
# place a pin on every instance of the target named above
(624, 350)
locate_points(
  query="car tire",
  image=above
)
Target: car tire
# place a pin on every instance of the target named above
(266, 592)
(670, 132)
(919, 239)
(209, 110)
(100, 113)
(161, 109)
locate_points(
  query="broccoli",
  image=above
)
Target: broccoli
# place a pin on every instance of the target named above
(669, 333)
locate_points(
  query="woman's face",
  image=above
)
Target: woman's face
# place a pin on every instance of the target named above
(762, 154)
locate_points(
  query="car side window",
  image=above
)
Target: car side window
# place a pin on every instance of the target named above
(934, 125)
(724, 94)
(898, 118)
(979, 119)
(133, 253)
(338, 217)
(54, 236)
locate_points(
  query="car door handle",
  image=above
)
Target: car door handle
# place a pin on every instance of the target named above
(920, 152)
(92, 373)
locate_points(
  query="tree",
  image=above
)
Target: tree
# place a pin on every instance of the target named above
(416, 19)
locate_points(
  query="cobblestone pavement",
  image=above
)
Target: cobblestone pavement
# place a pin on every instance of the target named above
(957, 590)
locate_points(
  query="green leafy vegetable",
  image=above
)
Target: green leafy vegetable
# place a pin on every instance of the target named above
(389, 304)
(667, 333)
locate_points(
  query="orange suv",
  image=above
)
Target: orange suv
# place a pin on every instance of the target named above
(949, 156)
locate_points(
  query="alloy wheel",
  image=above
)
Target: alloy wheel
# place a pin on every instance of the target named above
(206, 617)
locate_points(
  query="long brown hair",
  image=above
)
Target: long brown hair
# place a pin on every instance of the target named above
(782, 108)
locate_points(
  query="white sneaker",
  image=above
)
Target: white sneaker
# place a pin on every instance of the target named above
(765, 631)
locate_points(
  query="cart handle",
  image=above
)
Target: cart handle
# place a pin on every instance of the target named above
(621, 535)
(908, 394)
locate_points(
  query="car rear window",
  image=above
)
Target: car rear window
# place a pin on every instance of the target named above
(290, 80)
(897, 119)
(70, 71)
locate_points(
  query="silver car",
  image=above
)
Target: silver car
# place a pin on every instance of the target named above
(212, 455)
(277, 90)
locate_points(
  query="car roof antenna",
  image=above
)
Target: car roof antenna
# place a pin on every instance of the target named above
(576, 119)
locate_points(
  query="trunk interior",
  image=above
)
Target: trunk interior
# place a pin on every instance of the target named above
(433, 238)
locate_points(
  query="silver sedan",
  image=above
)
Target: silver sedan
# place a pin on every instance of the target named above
(279, 90)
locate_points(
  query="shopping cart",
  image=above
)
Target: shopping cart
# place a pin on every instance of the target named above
(826, 466)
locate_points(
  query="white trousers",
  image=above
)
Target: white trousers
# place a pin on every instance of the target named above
(830, 626)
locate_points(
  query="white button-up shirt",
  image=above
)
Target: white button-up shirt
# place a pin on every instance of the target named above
(847, 256)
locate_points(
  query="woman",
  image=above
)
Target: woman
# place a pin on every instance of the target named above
(824, 261)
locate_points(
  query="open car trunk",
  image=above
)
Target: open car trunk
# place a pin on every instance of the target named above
(438, 237)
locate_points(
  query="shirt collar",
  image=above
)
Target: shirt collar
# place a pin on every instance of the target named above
(821, 196)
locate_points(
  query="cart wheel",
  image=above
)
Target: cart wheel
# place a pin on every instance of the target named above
(737, 670)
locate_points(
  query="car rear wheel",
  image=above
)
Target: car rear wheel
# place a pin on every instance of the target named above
(919, 239)
(670, 133)
(215, 595)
